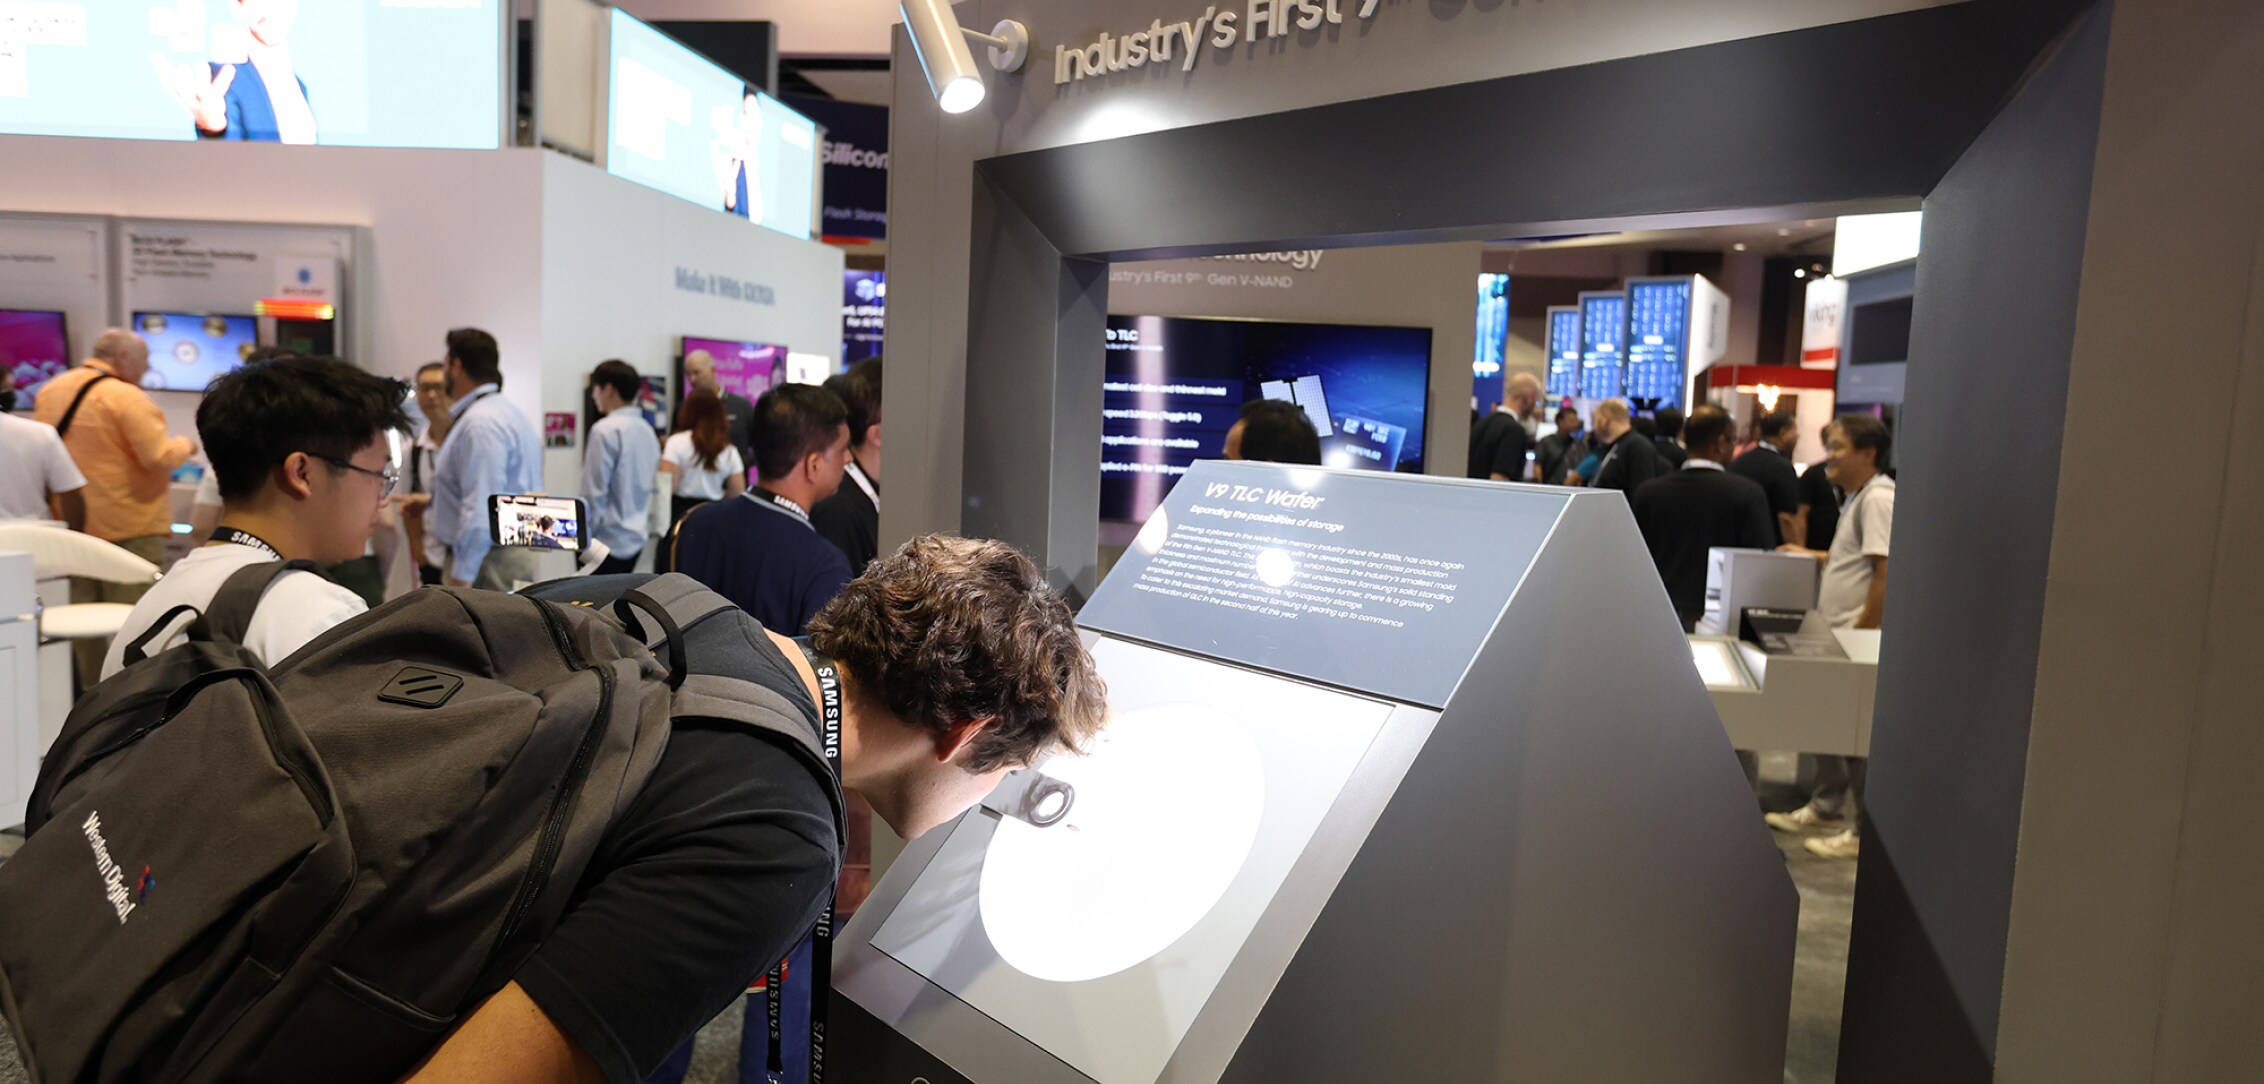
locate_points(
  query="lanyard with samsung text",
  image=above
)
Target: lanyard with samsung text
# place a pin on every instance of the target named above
(245, 538)
(787, 505)
(821, 938)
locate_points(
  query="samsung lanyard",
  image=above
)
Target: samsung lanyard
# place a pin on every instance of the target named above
(787, 505)
(821, 938)
(245, 538)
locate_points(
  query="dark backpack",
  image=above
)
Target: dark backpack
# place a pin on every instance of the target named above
(309, 874)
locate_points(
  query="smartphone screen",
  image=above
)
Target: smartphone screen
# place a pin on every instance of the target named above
(545, 523)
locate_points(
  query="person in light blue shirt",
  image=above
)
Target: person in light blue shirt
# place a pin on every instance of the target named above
(619, 468)
(491, 448)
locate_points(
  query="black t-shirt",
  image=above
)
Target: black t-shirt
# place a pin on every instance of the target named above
(850, 521)
(1774, 473)
(1629, 462)
(1557, 453)
(708, 879)
(1498, 444)
(1689, 512)
(1675, 454)
(1823, 501)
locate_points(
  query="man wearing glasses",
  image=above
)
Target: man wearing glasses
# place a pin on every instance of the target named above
(299, 446)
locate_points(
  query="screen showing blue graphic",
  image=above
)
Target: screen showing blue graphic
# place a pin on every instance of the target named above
(1603, 323)
(1486, 378)
(1658, 340)
(1564, 352)
(363, 73)
(188, 350)
(679, 122)
(864, 315)
(1176, 385)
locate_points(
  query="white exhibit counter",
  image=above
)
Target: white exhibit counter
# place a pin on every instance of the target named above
(1793, 703)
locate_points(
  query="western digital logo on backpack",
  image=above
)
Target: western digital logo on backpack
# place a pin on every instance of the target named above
(113, 878)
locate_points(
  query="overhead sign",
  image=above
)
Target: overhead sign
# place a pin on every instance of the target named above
(1823, 317)
(1182, 42)
(854, 151)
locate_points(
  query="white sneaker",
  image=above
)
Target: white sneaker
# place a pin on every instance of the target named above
(1803, 819)
(1841, 844)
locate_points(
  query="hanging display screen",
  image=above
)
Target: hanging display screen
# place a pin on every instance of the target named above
(363, 73)
(1658, 338)
(1176, 385)
(1564, 352)
(1603, 324)
(679, 122)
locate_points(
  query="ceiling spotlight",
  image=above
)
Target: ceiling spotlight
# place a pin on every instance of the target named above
(1799, 272)
(1739, 247)
(941, 44)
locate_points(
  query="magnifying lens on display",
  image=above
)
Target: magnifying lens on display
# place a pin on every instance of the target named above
(1032, 797)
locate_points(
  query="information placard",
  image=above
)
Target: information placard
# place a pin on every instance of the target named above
(1383, 583)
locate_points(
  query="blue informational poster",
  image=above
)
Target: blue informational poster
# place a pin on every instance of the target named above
(864, 311)
(1564, 352)
(1658, 340)
(854, 152)
(365, 73)
(1175, 386)
(1486, 377)
(188, 350)
(679, 122)
(1603, 324)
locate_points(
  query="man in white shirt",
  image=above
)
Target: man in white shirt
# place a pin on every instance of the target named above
(618, 472)
(299, 447)
(433, 401)
(1853, 594)
(491, 448)
(39, 467)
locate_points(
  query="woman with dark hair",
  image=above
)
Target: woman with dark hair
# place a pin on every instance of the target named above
(700, 463)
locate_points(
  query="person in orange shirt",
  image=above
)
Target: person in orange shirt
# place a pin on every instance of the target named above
(116, 434)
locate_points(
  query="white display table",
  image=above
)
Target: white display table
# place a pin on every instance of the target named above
(1788, 703)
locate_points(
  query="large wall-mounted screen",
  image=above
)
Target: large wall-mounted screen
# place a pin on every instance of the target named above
(1564, 352)
(1176, 385)
(188, 350)
(742, 368)
(34, 348)
(679, 122)
(363, 73)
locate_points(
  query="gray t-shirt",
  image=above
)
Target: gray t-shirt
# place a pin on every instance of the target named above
(1866, 519)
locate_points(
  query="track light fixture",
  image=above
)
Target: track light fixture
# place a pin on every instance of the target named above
(950, 66)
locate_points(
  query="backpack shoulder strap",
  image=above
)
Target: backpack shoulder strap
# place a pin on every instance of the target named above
(228, 619)
(736, 700)
(63, 426)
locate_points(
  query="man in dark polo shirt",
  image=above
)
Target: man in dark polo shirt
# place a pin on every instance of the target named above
(1499, 443)
(760, 550)
(1686, 514)
(1629, 458)
(1770, 464)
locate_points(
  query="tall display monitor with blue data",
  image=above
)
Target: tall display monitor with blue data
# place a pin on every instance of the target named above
(1658, 334)
(1175, 386)
(1564, 352)
(1486, 377)
(1603, 325)
(364, 73)
(679, 122)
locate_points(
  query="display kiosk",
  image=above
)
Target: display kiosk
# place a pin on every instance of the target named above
(1406, 778)
(1603, 332)
(1676, 326)
(1564, 353)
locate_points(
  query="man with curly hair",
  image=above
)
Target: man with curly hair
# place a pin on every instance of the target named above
(956, 663)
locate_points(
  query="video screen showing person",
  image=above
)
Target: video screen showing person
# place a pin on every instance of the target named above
(679, 122)
(543, 523)
(373, 73)
(189, 350)
(1175, 385)
(33, 349)
(741, 368)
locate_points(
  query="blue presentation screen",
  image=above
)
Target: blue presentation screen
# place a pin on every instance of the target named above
(1175, 386)
(362, 73)
(679, 122)
(1486, 380)
(187, 350)
(1658, 335)
(1564, 353)
(1603, 321)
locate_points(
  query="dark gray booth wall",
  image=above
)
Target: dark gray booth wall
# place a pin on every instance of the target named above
(1436, 122)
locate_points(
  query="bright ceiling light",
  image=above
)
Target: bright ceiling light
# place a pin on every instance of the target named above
(941, 45)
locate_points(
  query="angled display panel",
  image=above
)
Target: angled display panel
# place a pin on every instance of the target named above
(1345, 803)
(679, 122)
(1603, 334)
(364, 73)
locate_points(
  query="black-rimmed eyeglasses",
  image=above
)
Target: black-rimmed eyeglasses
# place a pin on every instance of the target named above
(391, 475)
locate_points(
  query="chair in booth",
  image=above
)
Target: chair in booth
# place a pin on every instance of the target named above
(56, 552)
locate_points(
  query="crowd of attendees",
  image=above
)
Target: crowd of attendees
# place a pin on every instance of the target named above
(1694, 486)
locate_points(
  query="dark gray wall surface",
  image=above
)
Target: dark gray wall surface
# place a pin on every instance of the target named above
(1868, 110)
(1980, 457)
